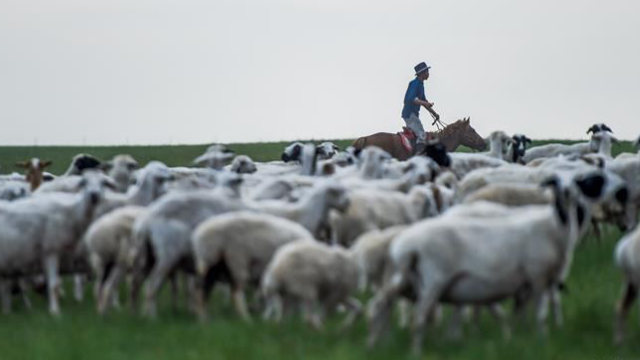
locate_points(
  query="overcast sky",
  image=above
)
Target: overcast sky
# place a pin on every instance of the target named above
(159, 71)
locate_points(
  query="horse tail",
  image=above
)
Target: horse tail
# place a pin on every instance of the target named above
(360, 143)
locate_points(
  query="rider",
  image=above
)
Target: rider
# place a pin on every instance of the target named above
(413, 99)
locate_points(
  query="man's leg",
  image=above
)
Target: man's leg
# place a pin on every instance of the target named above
(414, 123)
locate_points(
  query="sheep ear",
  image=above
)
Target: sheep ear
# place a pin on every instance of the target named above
(605, 127)
(22, 164)
(336, 147)
(593, 129)
(45, 164)
(527, 140)
(591, 186)
(132, 166)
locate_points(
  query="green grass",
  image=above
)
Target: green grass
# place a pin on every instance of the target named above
(594, 287)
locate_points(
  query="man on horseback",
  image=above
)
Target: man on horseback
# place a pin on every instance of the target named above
(413, 99)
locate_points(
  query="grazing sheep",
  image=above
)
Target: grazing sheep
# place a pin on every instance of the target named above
(163, 232)
(37, 231)
(240, 244)
(121, 169)
(317, 276)
(627, 257)
(445, 259)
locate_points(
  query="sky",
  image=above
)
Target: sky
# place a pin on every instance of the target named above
(83, 72)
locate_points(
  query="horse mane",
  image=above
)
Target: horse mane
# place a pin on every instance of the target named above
(447, 130)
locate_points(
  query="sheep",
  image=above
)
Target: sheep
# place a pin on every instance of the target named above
(242, 164)
(629, 170)
(626, 257)
(511, 195)
(312, 211)
(552, 150)
(121, 169)
(317, 276)
(80, 163)
(215, 157)
(108, 243)
(38, 230)
(370, 251)
(242, 243)
(455, 260)
(327, 150)
(164, 232)
(464, 163)
(517, 148)
(292, 152)
(13, 190)
(499, 143)
(34, 171)
(374, 209)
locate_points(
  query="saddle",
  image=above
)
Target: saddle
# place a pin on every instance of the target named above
(407, 137)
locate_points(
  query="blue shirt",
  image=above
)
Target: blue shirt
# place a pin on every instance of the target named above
(415, 90)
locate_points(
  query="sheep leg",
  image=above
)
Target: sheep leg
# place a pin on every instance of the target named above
(380, 306)
(53, 283)
(99, 270)
(557, 307)
(542, 310)
(454, 330)
(108, 289)
(25, 296)
(152, 286)
(240, 303)
(175, 289)
(78, 287)
(355, 307)
(200, 295)
(498, 313)
(134, 289)
(5, 294)
(404, 308)
(629, 295)
(426, 301)
(312, 314)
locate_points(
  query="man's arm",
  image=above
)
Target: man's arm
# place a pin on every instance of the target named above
(427, 105)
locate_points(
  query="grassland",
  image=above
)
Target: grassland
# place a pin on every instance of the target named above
(594, 286)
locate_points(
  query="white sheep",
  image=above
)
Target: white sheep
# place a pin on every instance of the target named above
(242, 243)
(314, 275)
(109, 245)
(555, 149)
(375, 209)
(627, 257)
(215, 157)
(499, 143)
(464, 163)
(311, 211)
(243, 164)
(327, 150)
(165, 230)
(38, 231)
(121, 169)
(455, 260)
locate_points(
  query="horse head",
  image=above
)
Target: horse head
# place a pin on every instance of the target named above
(469, 137)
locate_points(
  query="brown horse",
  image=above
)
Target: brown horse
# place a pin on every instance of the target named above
(451, 136)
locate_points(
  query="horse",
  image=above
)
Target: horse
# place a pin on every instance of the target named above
(402, 145)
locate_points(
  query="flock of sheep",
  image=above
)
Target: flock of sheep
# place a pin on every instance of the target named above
(316, 230)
